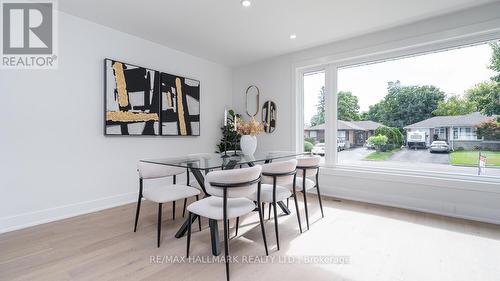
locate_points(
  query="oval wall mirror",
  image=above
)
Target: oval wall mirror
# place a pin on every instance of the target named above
(252, 96)
(269, 116)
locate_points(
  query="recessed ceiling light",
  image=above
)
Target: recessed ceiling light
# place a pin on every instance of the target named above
(293, 36)
(246, 3)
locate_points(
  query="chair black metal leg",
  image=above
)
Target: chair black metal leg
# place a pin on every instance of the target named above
(159, 224)
(269, 215)
(261, 218)
(237, 225)
(137, 212)
(173, 210)
(199, 218)
(319, 199)
(287, 202)
(188, 234)
(297, 210)
(184, 208)
(276, 225)
(305, 206)
(226, 232)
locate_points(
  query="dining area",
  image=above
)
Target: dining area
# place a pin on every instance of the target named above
(226, 188)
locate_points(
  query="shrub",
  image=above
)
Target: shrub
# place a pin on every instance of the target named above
(394, 135)
(398, 137)
(460, 148)
(311, 140)
(379, 141)
(308, 146)
(489, 130)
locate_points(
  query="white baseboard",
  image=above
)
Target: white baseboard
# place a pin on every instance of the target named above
(62, 212)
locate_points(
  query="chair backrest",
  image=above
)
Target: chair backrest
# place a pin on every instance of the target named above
(279, 168)
(309, 161)
(235, 176)
(153, 171)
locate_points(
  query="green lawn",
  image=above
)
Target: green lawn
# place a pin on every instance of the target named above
(471, 158)
(380, 156)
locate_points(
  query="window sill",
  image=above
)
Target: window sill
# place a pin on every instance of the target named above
(481, 183)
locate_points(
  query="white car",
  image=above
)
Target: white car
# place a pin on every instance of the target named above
(340, 145)
(439, 146)
(319, 149)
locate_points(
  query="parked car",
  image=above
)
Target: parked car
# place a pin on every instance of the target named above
(415, 139)
(340, 145)
(319, 149)
(439, 146)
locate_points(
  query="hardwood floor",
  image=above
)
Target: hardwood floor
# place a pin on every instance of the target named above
(378, 243)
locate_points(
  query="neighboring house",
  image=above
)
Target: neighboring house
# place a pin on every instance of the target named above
(353, 133)
(457, 131)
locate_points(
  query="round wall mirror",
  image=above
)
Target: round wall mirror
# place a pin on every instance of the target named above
(252, 96)
(269, 116)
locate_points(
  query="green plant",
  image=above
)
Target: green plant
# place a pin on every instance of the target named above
(311, 140)
(394, 135)
(460, 148)
(233, 139)
(489, 130)
(379, 141)
(308, 146)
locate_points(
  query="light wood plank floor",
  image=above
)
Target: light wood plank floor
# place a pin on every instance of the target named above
(379, 243)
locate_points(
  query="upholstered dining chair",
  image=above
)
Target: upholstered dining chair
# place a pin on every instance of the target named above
(229, 190)
(307, 168)
(276, 177)
(161, 194)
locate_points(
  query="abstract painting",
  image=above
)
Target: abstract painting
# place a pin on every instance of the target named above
(141, 101)
(180, 107)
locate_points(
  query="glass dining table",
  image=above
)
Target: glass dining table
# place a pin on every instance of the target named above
(200, 164)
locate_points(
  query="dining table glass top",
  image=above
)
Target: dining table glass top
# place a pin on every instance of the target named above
(207, 161)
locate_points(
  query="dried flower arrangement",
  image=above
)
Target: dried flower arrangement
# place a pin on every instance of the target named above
(251, 127)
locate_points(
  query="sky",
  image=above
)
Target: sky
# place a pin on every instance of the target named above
(453, 71)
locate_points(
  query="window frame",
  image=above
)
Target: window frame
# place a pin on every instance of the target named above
(331, 67)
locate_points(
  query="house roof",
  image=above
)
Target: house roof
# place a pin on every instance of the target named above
(470, 119)
(367, 125)
(349, 125)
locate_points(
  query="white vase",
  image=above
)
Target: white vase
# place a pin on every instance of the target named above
(248, 144)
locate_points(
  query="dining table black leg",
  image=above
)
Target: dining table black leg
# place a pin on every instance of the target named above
(214, 236)
(284, 208)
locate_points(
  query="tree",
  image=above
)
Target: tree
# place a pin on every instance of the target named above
(404, 105)
(495, 61)
(489, 130)
(363, 116)
(455, 105)
(319, 117)
(347, 106)
(375, 112)
(486, 97)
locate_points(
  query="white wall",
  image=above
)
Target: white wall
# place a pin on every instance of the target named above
(276, 80)
(55, 160)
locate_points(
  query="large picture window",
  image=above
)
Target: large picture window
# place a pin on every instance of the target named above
(436, 112)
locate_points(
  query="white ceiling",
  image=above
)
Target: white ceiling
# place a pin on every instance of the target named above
(224, 31)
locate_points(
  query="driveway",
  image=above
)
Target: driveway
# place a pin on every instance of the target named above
(353, 154)
(420, 156)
